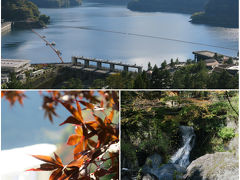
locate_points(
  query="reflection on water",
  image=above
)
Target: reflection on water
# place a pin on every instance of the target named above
(112, 32)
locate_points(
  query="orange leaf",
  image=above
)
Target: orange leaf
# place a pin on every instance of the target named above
(78, 130)
(88, 105)
(92, 143)
(73, 139)
(78, 148)
(56, 174)
(48, 167)
(72, 110)
(78, 162)
(109, 118)
(79, 109)
(34, 169)
(71, 120)
(45, 159)
(99, 120)
(58, 159)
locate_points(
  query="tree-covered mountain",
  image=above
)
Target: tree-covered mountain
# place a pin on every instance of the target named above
(111, 2)
(218, 13)
(182, 6)
(23, 10)
(56, 3)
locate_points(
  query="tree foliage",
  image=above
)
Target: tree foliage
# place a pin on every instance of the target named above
(22, 10)
(95, 141)
(182, 6)
(219, 13)
(56, 3)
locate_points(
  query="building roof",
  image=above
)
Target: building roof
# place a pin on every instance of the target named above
(204, 53)
(13, 63)
(211, 61)
(233, 68)
(211, 54)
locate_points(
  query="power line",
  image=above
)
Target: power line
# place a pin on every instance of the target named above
(154, 37)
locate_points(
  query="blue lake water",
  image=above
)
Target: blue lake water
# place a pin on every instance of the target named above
(115, 33)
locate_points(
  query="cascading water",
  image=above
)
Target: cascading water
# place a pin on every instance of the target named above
(181, 157)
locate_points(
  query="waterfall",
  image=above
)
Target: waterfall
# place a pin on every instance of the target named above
(181, 157)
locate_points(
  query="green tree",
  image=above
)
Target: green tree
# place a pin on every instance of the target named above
(172, 64)
(139, 83)
(149, 66)
(164, 64)
(14, 82)
(229, 61)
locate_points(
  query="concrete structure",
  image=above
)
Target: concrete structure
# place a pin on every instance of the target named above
(6, 26)
(37, 73)
(14, 65)
(211, 63)
(100, 62)
(203, 55)
(232, 69)
(4, 78)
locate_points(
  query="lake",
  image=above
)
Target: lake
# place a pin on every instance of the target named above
(116, 33)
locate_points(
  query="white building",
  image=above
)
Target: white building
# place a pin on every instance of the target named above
(14, 65)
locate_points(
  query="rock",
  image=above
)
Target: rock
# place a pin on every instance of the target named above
(149, 177)
(126, 174)
(233, 145)
(217, 166)
(154, 161)
(166, 171)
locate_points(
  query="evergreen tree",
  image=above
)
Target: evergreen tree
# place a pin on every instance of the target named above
(149, 66)
(139, 83)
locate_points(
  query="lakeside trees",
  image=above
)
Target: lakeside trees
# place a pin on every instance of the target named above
(213, 12)
(190, 76)
(23, 10)
(219, 13)
(56, 3)
(181, 6)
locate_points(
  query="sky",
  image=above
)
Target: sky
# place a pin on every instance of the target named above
(26, 125)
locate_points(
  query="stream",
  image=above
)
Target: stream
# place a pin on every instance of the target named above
(181, 157)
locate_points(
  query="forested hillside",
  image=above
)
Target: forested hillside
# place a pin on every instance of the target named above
(56, 3)
(219, 12)
(23, 10)
(182, 6)
(112, 2)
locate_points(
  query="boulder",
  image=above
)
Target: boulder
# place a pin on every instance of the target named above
(166, 172)
(217, 166)
(149, 177)
(154, 161)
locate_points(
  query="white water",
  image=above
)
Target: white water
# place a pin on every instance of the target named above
(181, 157)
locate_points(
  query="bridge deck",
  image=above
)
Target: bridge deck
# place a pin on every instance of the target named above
(107, 61)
